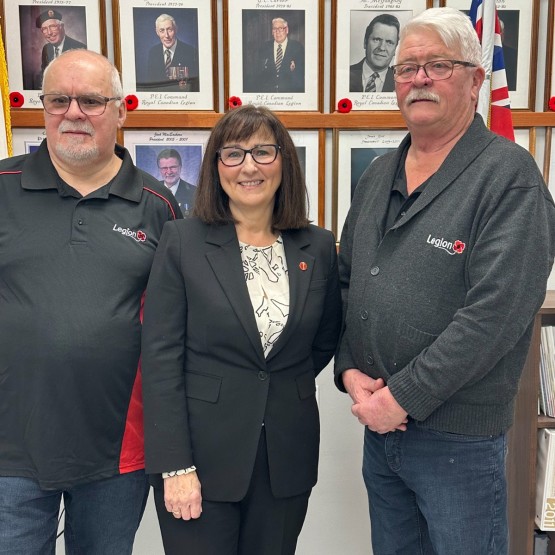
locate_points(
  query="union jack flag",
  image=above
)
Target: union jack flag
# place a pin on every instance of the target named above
(493, 102)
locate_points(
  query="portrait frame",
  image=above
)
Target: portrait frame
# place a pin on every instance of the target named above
(247, 27)
(521, 21)
(351, 20)
(137, 141)
(354, 150)
(550, 56)
(549, 160)
(197, 42)
(311, 142)
(26, 140)
(84, 23)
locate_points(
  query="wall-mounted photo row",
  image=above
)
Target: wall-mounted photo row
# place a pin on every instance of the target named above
(365, 40)
(174, 158)
(27, 140)
(355, 150)
(273, 53)
(37, 32)
(519, 30)
(166, 52)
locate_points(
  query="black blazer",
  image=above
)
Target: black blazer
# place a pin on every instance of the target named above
(291, 77)
(185, 196)
(207, 387)
(355, 79)
(185, 55)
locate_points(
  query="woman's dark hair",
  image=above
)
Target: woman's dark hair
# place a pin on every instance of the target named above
(239, 125)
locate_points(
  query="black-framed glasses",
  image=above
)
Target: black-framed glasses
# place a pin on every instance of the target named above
(89, 104)
(235, 156)
(436, 70)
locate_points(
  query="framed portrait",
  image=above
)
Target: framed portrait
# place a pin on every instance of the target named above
(364, 44)
(549, 160)
(519, 26)
(354, 151)
(550, 56)
(25, 141)
(171, 156)
(273, 53)
(37, 32)
(308, 149)
(166, 52)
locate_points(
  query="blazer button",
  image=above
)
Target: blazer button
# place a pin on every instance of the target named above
(262, 375)
(375, 271)
(364, 314)
(370, 360)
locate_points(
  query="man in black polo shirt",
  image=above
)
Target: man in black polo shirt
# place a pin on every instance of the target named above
(79, 224)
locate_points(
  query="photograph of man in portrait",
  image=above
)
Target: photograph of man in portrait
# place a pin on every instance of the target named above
(374, 38)
(166, 49)
(273, 51)
(175, 166)
(360, 160)
(46, 32)
(509, 21)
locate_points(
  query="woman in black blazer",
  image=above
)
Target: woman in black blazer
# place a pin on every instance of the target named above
(242, 312)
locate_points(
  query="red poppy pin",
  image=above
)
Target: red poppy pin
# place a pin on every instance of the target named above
(458, 246)
(131, 101)
(303, 266)
(141, 236)
(552, 103)
(16, 99)
(234, 102)
(344, 106)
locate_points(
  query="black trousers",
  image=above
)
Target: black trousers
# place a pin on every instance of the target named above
(259, 524)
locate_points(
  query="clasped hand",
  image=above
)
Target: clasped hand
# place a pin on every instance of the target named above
(182, 496)
(373, 404)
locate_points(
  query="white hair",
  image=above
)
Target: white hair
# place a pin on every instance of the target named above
(454, 29)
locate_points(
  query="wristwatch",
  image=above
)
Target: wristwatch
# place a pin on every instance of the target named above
(179, 472)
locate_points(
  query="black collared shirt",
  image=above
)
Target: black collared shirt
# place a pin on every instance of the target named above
(73, 271)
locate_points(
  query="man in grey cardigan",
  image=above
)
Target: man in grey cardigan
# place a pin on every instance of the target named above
(444, 260)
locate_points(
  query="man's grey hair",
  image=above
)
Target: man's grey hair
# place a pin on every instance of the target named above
(165, 17)
(454, 28)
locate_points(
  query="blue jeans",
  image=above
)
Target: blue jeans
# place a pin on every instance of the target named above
(101, 517)
(436, 493)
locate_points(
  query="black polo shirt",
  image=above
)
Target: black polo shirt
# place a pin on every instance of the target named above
(73, 271)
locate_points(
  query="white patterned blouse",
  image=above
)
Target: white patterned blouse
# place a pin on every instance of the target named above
(268, 284)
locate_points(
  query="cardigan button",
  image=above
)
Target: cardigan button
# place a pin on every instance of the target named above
(262, 375)
(375, 271)
(370, 360)
(364, 314)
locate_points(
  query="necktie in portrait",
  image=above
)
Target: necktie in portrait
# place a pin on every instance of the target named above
(279, 57)
(168, 61)
(371, 83)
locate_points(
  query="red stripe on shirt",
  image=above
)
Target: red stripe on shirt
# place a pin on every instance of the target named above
(163, 198)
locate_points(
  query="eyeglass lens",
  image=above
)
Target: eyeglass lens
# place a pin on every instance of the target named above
(91, 105)
(261, 154)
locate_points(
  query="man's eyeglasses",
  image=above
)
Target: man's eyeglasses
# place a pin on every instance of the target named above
(90, 104)
(169, 169)
(50, 28)
(279, 28)
(436, 70)
(235, 156)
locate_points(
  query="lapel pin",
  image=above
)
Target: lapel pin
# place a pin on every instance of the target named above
(303, 266)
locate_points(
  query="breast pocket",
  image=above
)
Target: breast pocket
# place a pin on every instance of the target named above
(411, 343)
(204, 387)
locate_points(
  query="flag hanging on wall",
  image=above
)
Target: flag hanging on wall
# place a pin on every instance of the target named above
(493, 102)
(5, 121)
